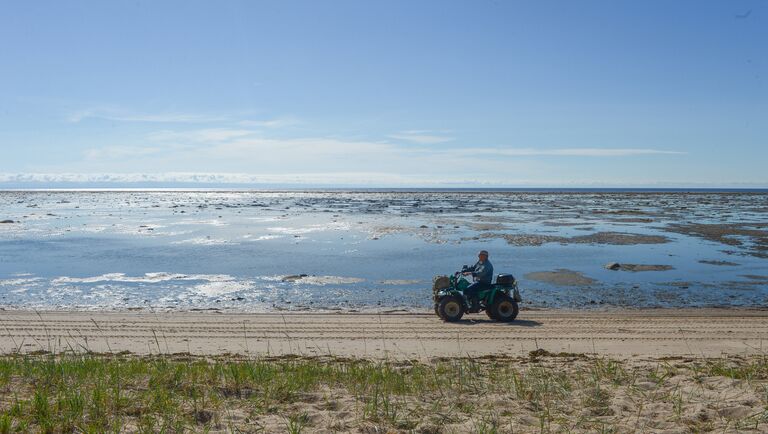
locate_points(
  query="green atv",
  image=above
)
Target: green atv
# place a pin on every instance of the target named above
(500, 301)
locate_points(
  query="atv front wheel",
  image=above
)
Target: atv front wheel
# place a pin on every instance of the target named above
(504, 309)
(450, 309)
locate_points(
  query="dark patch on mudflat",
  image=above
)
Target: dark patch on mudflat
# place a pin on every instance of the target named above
(719, 263)
(562, 277)
(632, 220)
(734, 234)
(639, 267)
(756, 277)
(613, 238)
(619, 238)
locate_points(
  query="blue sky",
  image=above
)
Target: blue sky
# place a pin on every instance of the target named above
(389, 93)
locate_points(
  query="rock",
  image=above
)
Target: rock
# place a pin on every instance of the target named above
(637, 267)
(293, 278)
(7, 221)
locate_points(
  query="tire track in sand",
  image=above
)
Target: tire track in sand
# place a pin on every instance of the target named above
(636, 333)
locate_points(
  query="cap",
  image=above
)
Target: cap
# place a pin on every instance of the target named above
(482, 252)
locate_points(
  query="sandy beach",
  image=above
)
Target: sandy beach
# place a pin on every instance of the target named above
(662, 370)
(616, 333)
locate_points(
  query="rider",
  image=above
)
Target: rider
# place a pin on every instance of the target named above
(482, 272)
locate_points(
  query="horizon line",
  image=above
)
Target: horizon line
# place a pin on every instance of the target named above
(294, 188)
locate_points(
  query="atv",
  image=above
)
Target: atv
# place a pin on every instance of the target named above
(499, 301)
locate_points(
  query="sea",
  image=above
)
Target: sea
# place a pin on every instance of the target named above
(367, 250)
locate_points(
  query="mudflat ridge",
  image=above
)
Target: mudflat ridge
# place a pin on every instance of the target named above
(617, 333)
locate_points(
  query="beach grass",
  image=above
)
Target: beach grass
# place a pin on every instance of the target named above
(540, 393)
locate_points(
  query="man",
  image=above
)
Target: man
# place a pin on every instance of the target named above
(482, 272)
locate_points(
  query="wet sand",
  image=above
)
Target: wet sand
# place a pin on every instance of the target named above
(630, 334)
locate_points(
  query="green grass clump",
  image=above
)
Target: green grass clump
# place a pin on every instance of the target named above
(752, 369)
(91, 393)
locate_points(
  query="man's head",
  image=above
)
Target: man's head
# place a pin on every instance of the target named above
(483, 255)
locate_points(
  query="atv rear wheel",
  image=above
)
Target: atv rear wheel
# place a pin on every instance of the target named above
(450, 309)
(504, 309)
(489, 312)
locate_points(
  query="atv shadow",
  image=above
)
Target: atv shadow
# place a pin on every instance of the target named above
(515, 323)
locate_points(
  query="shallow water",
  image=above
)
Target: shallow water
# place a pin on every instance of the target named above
(372, 250)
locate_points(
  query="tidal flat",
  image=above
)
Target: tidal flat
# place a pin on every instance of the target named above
(361, 251)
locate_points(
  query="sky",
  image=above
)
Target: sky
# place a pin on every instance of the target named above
(411, 93)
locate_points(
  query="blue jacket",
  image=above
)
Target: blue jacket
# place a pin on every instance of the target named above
(483, 271)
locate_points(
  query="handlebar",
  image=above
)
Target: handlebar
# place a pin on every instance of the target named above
(465, 270)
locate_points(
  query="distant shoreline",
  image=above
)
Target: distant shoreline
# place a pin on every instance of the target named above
(108, 189)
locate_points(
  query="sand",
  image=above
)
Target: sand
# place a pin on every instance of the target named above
(628, 334)
(666, 371)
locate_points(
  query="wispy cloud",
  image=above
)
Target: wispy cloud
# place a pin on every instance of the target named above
(299, 148)
(120, 152)
(168, 179)
(422, 137)
(235, 150)
(358, 178)
(249, 153)
(120, 115)
(207, 135)
(269, 123)
(569, 152)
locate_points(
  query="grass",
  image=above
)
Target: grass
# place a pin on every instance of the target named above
(549, 393)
